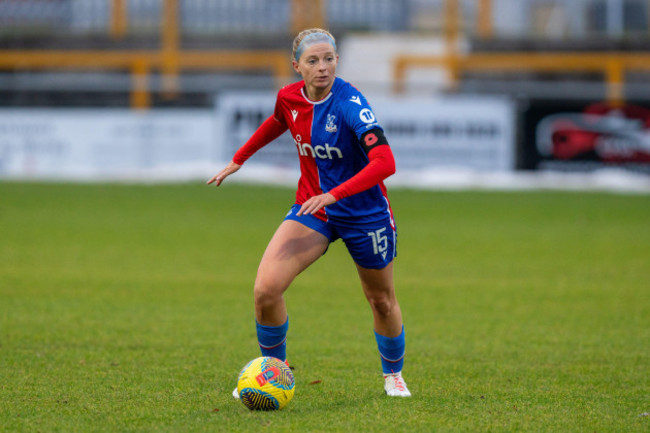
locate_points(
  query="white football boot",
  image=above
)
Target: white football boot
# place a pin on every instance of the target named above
(395, 386)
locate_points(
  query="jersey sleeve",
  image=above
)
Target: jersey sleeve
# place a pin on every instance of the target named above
(358, 114)
(278, 112)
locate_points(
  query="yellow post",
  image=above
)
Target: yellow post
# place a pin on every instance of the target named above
(170, 46)
(282, 71)
(319, 14)
(118, 19)
(452, 30)
(399, 75)
(615, 78)
(140, 98)
(451, 24)
(484, 24)
(306, 14)
(297, 16)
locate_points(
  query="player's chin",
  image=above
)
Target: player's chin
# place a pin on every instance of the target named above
(322, 81)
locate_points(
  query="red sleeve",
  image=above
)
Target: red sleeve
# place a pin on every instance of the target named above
(381, 165)
(268, 131)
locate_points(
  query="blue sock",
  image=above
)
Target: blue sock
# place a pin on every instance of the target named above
(273, 340)
(392, 352)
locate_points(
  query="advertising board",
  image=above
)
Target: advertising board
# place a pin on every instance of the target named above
(168, 144)
(103, 143)
(475, 133)
(579, 136)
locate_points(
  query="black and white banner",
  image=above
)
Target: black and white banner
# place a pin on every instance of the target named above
(575, 136)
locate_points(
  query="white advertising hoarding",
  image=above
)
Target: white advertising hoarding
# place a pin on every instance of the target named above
(474, 133)
(104, 143)
(241, 113)
(177, 144)
(459, 132)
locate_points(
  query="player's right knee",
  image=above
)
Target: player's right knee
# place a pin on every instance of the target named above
(267, 292)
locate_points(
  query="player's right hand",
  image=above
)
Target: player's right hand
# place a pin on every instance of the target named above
(219, 177)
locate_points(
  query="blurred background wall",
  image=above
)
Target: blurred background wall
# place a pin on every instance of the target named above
(485, 90)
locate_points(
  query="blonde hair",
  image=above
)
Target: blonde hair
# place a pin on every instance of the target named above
(303, 34)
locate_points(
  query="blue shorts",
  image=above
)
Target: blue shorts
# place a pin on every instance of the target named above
(371, 247)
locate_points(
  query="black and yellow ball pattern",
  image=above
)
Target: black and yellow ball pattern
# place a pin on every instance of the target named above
(265, 383)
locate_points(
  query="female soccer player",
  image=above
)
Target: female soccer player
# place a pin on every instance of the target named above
(344, 158)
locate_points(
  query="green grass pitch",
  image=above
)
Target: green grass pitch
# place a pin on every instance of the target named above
(129, 308)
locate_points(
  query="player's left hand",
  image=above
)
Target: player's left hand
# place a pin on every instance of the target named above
(219, 177)
(316, 203)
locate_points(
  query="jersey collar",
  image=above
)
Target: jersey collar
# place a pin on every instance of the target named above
(329, 95)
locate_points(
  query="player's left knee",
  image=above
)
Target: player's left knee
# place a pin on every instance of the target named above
(383, 306)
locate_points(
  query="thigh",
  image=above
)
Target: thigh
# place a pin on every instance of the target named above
(291, 250)
(377, 282)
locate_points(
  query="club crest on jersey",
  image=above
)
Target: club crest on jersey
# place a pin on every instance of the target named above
(330, 126)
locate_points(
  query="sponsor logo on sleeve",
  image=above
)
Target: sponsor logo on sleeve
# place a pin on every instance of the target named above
(367, 116)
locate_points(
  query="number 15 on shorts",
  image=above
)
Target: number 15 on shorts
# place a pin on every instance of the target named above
(379, 241)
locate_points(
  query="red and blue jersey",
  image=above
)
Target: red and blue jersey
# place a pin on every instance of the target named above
(327, 135)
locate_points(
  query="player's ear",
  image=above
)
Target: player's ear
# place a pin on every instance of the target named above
(295, 66)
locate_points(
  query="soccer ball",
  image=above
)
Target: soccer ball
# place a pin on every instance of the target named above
(265, 383)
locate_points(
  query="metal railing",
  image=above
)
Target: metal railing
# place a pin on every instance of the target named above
(169, 59)
(612, 64)
(198, 17)
(171, 20)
